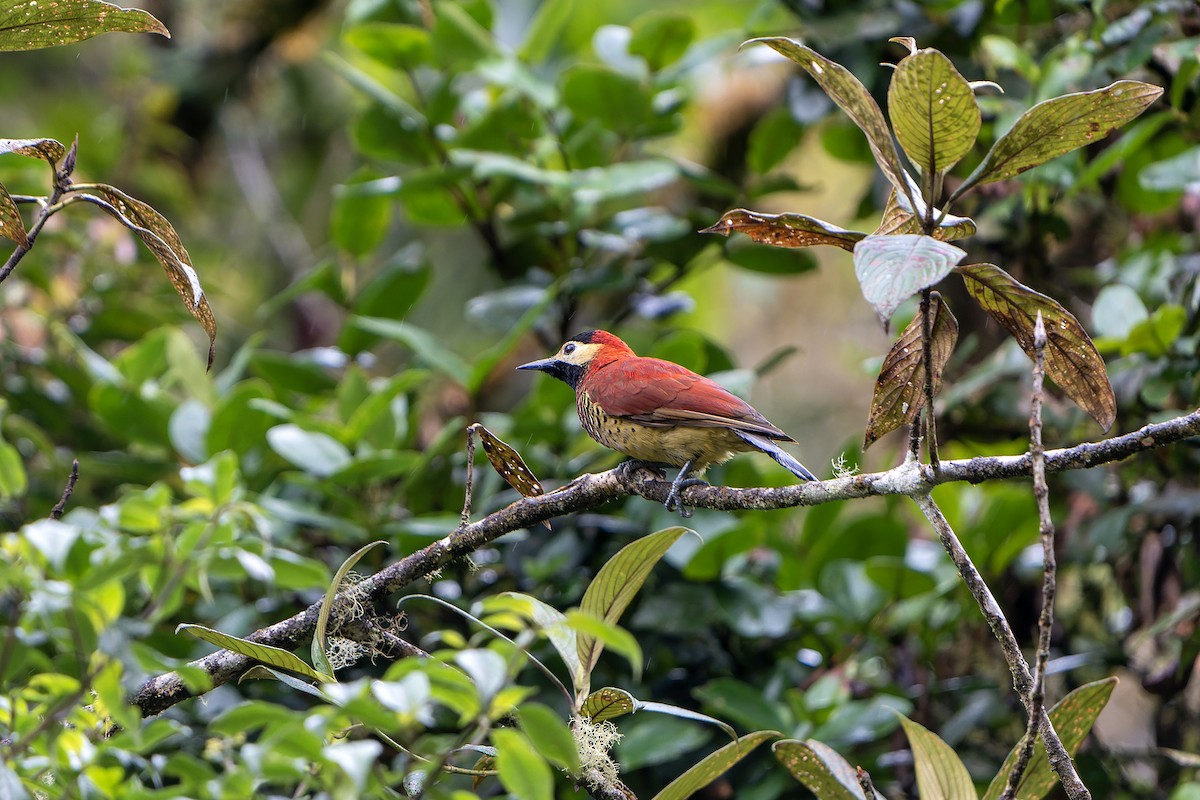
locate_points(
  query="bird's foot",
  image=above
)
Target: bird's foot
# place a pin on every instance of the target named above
(628, 469)
(674, 498)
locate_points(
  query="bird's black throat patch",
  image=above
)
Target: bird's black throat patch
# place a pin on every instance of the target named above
(570, 374)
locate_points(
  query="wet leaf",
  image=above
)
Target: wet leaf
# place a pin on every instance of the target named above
(265, 653)
(1071, 357)
(891, 269)
(933, 110)
(12, 227)
(853, 98)
(1060, 125)
(898, 219)
(713, 766)
(49, 149)
(784, 230)
(1073, 718)
(940, 772)
(160, 237)
(607, 703)
(900, 387)
(32, 25)
(825, 773)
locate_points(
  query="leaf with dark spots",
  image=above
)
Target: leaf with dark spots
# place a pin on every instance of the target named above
(607, 703)
(891, 269)
(160, 237)
(933, 110)
(1060, 125)
(508, 463)
(897, 219)
(852, 97)
(825, 773)
(11, 225)
(900, 387)
(33, 25)
(1071, 358)
(784, 230)
(49, 149)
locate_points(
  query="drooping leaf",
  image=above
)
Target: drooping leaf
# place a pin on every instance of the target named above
(900, 387)
(685, 713)
(899, 218)
(1060, 125)
(553, 623)
(523, 772)
(933, 110)
(49, 149)
(853, 98)
(1071, 358)
(319, 656)
(32, 25)
(616, 584)
(1073, 718)
(784, 230)
(160, 237)
(12, 227)
(259, 672)
(268, 654)
(891, 269)
(550, 735)
(508, 462)
(607, 703)
(825, 773)
(940, 772)
(713, 766)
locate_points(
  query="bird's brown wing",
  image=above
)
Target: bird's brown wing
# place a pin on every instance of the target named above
(661, 393)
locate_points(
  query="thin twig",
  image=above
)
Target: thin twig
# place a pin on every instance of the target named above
(60, 507)
(591, 491)
(931, 443)
(465, 519)
(1023, 681)
(1041, 493)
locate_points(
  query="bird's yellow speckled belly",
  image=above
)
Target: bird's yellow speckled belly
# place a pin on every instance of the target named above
(673, 445)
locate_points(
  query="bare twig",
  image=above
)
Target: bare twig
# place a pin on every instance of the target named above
(1023, 681)
(590, 491)
(60, 507)
(62, 181)
(931, 444)
(1041, 493)
(465, 519)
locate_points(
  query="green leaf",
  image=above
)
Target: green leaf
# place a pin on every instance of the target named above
(1073, 718)
(900, 388)
(459, 40)
(12, 227)
(312, 451)
(11, 787)
(359, 219)
(161, 239)
(933, 110)
(1060, 125)
(1071, 358)
(553, 623)
(661, 37)
(13, 480)
(424, 344)
(684, 713)
(852, 97)
(319, 656)
(32, 25)
(784, 230)
(825, 773)
(546, 29)
(524, 773)
(767, 259)
(1176, 174)
(265, 653)
(940, 772)
(403, 47)
(607, 703)
(713, 766)
(389, 294)
(891, 269)
(600, 633)
(617, 101)
(616, 584)
(550, 735)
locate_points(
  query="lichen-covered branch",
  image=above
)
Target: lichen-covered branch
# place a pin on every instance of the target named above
(590, 491)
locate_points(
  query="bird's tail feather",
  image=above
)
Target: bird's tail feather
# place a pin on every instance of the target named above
(779, 454)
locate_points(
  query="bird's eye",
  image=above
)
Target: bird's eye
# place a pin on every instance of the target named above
(568, 349)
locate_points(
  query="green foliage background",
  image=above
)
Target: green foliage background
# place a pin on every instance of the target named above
(390, 204)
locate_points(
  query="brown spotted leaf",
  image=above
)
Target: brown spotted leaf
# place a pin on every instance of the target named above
(826, 774)
(900, 387)
(933, 110)
(160, 237)
(1060, 125)
(11, 225)
(1073, 718)
(784, 230)
(49, 149)
(1071, 358)
(35, 24)
(507, 461)
(852, 97)
(607, 703)
(897, 220)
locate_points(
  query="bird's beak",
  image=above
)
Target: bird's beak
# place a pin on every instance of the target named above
(542, 365)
